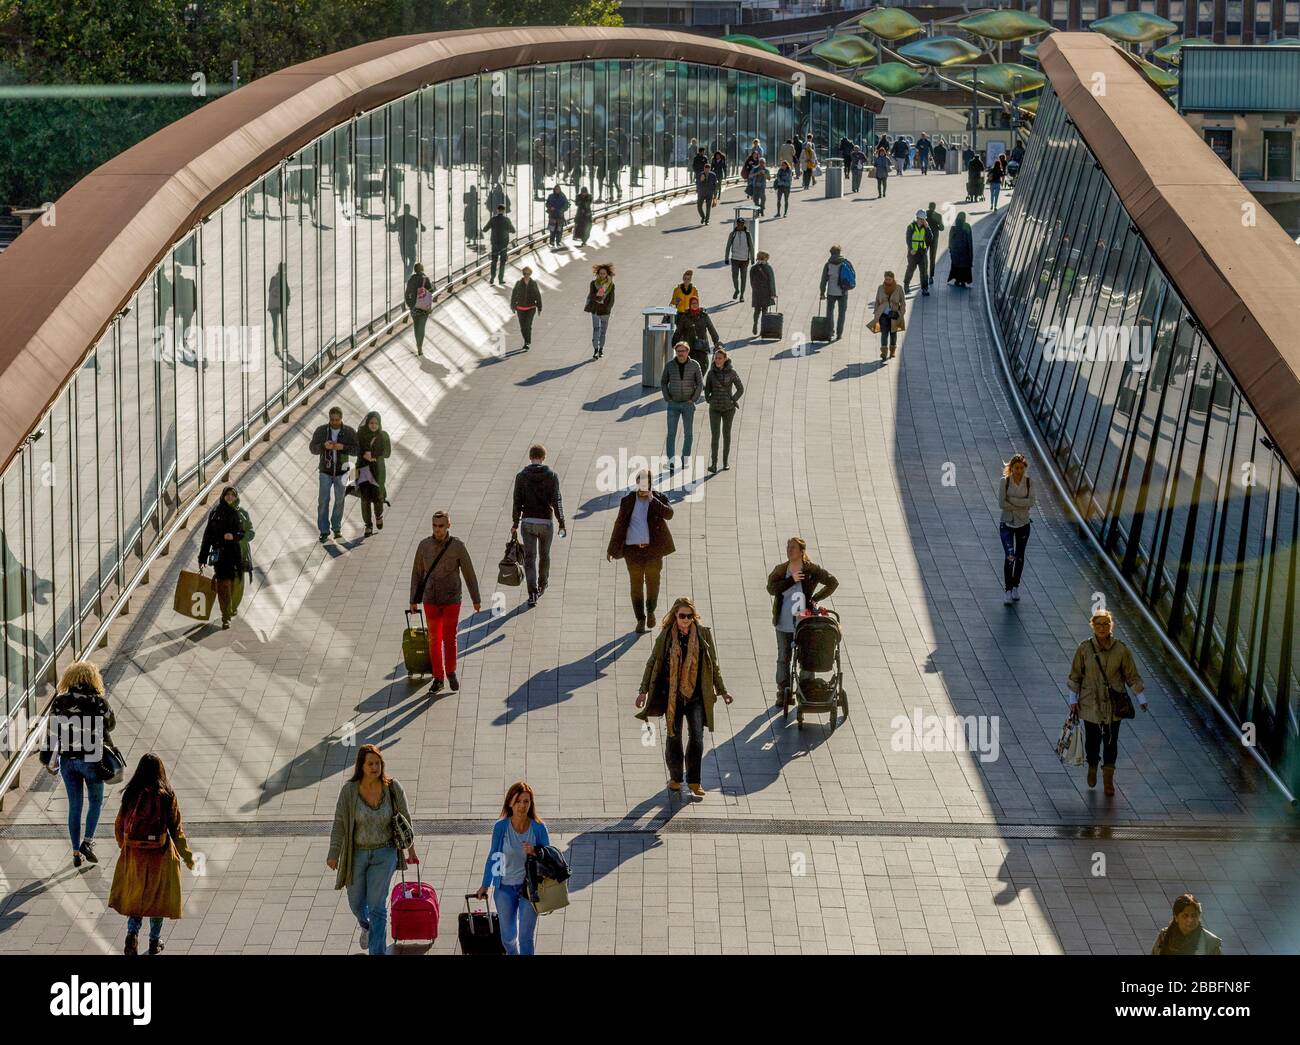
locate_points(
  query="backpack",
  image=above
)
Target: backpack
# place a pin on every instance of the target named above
(848, 278)
(147, 825)
(424, 300)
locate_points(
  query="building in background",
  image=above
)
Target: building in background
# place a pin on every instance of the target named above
(1245, 101)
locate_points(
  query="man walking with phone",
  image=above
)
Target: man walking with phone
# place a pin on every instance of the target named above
(440, 562)
(331, 443)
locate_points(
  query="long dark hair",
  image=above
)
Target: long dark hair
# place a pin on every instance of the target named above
(150, 775)
(359, 770)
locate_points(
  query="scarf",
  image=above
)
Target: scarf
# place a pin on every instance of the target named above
(681, 675)
(1175, 942)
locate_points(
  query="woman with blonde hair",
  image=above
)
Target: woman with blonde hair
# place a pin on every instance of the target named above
(682, 680)
(1015, 498)
(372, 825)
(77, 731)
(796, 586)
(516, 836)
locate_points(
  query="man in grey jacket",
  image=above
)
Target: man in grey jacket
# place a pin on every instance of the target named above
(440, 562)
(682, 383)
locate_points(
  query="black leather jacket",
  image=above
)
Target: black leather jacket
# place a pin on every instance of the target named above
(546, 862)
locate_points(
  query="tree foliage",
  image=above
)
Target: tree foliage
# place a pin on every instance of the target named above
(47, 145)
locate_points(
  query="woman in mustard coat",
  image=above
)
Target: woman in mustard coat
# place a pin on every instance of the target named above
(147, 879)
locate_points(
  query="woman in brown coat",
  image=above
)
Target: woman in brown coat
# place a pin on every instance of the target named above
(147, 879)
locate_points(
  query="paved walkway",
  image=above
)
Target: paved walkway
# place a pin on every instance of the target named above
(886, 470)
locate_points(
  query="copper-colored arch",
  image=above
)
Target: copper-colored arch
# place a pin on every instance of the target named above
(61, 284)
(1241, 281)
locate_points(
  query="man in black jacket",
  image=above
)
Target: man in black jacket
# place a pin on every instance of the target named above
(500, 230)
(706, 188)
(935, 222)
(641, 539)
(526, 300)
(537, 498)
(332, 443)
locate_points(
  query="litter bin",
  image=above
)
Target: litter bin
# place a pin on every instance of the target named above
(656, 340)
(834, 179)
(749, 212)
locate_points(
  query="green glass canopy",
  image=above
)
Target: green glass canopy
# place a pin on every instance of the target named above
(751, 41)
(1029, 51)
(892, 78)
(890, 23)
(1005, 25)
(845, 50)
(1171, 52)
(1134, 27)
(941, 51)
(1164, 79)
(1029, 106)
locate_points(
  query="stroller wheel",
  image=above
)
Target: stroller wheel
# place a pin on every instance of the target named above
(844, 706)
(800, 718)
(832, 718)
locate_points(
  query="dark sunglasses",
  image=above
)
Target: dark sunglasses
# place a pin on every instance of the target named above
(685, 616)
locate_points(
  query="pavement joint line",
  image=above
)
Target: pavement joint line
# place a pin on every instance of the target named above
(446, 827)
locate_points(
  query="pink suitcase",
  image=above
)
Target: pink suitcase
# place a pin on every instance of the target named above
(413, 909)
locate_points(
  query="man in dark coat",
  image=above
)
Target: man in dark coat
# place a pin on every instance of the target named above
(331, 443)
(706, 188)
(935, 222)
(961, 252)
(526, 301)
(641, 538)
(500, 230)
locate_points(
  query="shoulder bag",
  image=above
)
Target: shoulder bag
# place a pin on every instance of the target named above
(1121, 706)
(403, 832)
(429, 573)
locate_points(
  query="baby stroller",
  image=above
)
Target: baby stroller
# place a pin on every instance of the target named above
(816, 649)
(974, 186)
(1013, 168)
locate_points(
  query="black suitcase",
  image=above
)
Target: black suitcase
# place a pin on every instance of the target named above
(821, 328)
(479, 931)
(771, 326)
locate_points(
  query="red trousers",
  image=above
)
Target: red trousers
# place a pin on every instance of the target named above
(442, 621)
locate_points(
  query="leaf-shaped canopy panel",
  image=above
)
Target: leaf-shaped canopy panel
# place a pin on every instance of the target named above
(1010, 78)
(892, 78)
(940, 51)
(1172, 53)
(845, 51)
(1029, 51)
(890, 23)
(751, 41)
(1134, 27)
(1164, 79)
(1005, 25)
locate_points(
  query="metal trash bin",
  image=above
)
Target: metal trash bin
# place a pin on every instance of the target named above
(834, 176)
(749, 212)
(951, 160)
(655, 342)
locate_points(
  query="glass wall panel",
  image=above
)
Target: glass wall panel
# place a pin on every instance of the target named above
(1155, 442)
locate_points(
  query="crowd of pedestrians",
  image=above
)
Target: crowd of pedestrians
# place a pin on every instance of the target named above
(372, 833)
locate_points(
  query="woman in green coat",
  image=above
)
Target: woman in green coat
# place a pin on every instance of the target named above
(375, 447)
(682, 681)
(245, 557)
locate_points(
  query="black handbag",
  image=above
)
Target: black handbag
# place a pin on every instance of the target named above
(510, 571)
(403, 832)
(1121, 705)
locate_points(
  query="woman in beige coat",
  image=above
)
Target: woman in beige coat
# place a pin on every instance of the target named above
(1102, 664)
(147, 879)
(889, 309)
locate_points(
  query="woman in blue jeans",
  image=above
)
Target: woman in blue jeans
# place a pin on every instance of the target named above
(1015, 498)
(362, 851)
(515, 837)
(79, 727)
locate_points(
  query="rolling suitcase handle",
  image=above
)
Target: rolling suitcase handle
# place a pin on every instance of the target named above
(415, 613)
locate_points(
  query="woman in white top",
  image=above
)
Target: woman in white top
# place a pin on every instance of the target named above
(1015, 497)
(515, 837)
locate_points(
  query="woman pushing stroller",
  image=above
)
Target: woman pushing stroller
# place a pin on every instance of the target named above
(794, 587)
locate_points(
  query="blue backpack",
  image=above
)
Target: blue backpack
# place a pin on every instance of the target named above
(848, 278)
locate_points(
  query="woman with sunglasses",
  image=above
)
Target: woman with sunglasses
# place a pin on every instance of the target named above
(682, 682)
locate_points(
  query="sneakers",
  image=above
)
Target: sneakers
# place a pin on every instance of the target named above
(379, 523)
(642, 628)
(132, 945)
(712, 468)
(225, 623)
(527, 347)
(365, 938)
(338, 535)
(324, 537)
(1015, 594)
(453, 681)
(1006, 598)
(369, 532)
(435, 687)
(532, 598)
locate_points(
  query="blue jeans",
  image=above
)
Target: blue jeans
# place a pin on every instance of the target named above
(518, 919)
(684, 412)
(372, 870)
(599, 327)
(1014, 540)
(784, 642)
(155, 927)
(338, 484)
(994, 188)
(75, 773)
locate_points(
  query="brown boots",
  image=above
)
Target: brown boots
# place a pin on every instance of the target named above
(1092, 774)
(1108, 780)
